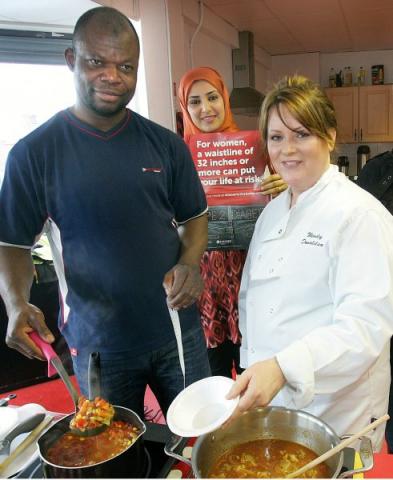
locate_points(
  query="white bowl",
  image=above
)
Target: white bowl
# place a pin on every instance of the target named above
(201, 407)
(30, 453)
(8, 420)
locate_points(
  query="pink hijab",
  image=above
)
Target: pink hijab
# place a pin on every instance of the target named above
(214, 78)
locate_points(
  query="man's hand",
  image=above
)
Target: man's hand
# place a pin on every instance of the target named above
(16, 276)
(183, 285)
(257, 386)
(273, 185)
(22, 321)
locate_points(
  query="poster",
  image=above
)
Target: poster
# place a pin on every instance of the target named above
(230, 167)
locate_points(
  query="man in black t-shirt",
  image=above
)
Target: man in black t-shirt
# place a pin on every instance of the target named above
(125, 215)
(377, 178)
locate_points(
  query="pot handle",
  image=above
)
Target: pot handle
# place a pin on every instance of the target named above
(366, 457)
(171, 446)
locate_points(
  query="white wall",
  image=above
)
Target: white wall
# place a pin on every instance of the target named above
(317, 66)
(209, 52)
(304, 64)
(167, 28)
(263, 66)
(213, 44)
(156, 51)
(355, 60)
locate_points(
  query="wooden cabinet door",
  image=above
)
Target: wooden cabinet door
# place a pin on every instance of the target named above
(345, 101)
(375, 113)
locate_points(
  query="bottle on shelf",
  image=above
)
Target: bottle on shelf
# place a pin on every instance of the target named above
(339, 79)
(332, 78)
(347, 77)
(363, 156)
(343, 164)
(361, 76)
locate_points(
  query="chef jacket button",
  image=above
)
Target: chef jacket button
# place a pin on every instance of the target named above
(281, 259)
(271, 310)
(280, 231)
(252, 350)
(175, 473)
(271, 270)
(187, 452)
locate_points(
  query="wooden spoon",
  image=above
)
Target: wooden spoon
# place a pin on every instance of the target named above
(338, 447)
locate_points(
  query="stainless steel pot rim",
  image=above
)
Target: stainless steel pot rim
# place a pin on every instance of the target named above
(301, 413)
(203, 446)
(277, 417)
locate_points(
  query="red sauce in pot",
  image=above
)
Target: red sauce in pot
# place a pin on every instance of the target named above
(266, 458)
(71, 450)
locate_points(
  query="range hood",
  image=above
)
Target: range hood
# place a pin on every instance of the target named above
(244, 98)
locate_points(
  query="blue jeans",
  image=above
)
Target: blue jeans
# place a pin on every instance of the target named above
(124, 377)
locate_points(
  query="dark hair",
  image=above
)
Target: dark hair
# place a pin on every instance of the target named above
(110, 18)
(306, 101)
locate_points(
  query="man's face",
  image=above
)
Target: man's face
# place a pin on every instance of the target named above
(105, 69)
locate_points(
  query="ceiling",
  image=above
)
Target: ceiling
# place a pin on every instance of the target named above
(279, 26)
(303, 26)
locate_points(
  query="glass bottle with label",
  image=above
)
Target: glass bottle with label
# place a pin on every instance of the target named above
(347, 77)
(363, 156)
(361, 77)
(332, 78)
(343, 164)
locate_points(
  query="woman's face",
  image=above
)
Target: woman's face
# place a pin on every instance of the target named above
(205, 106)
(298, 156)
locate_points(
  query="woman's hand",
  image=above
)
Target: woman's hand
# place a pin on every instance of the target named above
(257, 386)
(273, 185)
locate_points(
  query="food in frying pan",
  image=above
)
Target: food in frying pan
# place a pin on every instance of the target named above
(72, 450)
(92, 414)
(266, 458)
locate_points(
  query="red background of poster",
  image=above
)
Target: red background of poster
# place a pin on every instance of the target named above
(230, 167)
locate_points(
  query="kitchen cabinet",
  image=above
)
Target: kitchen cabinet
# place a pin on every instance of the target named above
(364, 114)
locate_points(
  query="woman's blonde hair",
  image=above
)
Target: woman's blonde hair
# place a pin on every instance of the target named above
(306, 101)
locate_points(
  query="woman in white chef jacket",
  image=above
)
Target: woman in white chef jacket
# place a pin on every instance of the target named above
(316, 298)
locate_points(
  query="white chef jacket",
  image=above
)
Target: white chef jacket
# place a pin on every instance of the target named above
(317, 293)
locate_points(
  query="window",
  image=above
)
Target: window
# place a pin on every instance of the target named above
(33, 94)
(36, 83)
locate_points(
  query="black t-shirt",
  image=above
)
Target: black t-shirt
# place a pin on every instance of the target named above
(110, 203)
(377, 178)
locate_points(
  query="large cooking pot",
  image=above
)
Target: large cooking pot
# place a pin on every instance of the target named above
(271, 422)
(131, 463)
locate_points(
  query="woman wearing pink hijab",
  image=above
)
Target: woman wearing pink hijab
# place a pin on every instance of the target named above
(204, 102)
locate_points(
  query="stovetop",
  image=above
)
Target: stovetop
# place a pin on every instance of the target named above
(160, 464)
(155, 438)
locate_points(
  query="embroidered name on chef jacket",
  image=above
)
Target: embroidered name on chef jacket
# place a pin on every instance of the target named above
(313, 239)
